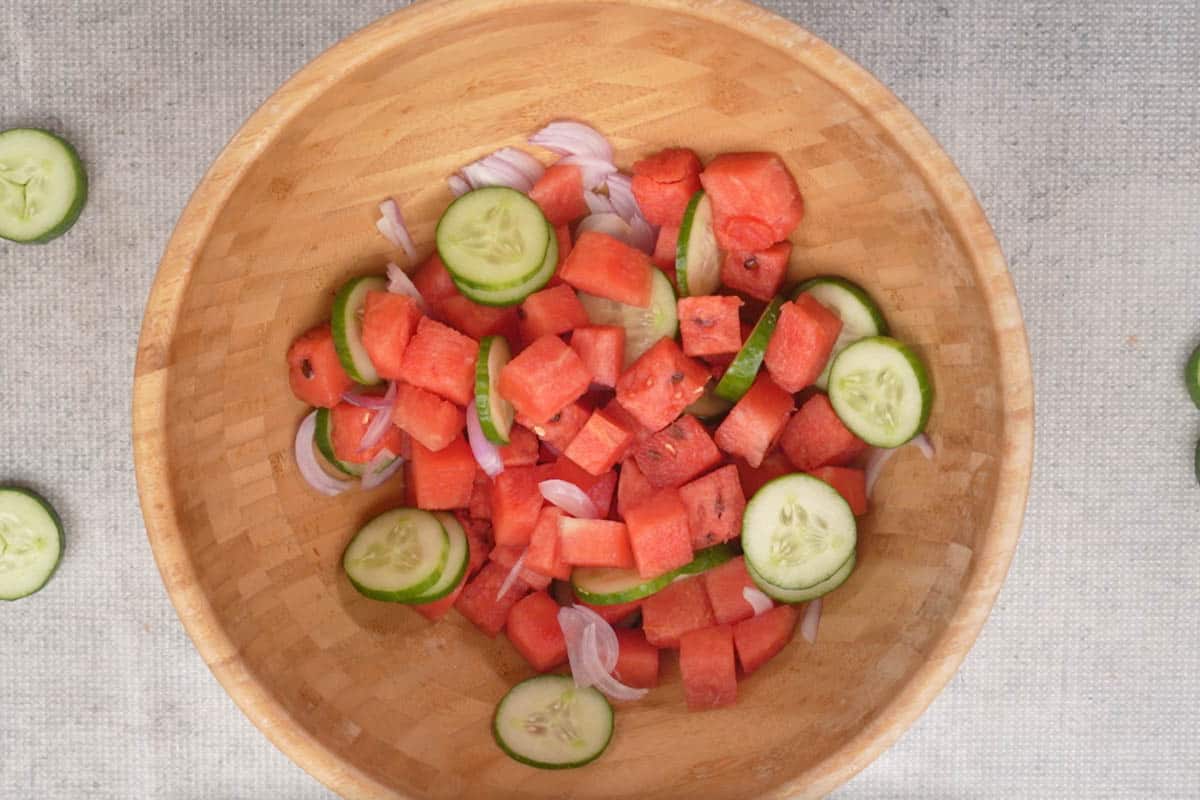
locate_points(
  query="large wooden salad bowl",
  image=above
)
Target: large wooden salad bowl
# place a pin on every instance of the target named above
(369, 697)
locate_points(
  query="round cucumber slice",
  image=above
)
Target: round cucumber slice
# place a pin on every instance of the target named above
(347, 327)
(513, 296)
(43, 186)
(697, 258)
(398, 556)
(709, 405)
(31, 542)
(1192, 375)
(804, 595)
(495, 413)
(643, 326)
(608, 586)
(860, 315)
(457, 559)
(706, 559)
(549, 723)
(797, 531)
(744, 368)
(880, 391)
(493, 238)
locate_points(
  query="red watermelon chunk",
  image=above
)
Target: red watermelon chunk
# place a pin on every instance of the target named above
(563, 234)
(560, 429)
(724, 585)
(551, 312)
(389, 321)
(677, 453)
(522, 448)
(480, 504)
(544, 554)
(516, 503)
(599, 488)
(478, 601)
(708, 667)
(439, 608)
(617, 413)
(680, 607)
(507, 555)
(543, 379)
(664, 247)
(714, 504)
(754, 425)
(480, 542)
(533, 629)
(434, 283)
(659, 535)
(709, 325)
(755, 200)
(315, 372)
(349, 423)
(754, 478)
(759, 639)
(477, 320)
(660, 385)
(815, 437)
(602, 350)
(851, 485)
(616, 613)
(606, 267)
(759, 274)
(443, 479)
(594, 543)
(442, 360)
(632, 487)
(425, 417)
(663, 184)
(637, 659)
(559, 193)
(599, 445)
(801, 344)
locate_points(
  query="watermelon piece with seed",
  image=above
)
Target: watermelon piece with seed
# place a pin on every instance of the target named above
(755, 200)
(660, 385)
(709, 325)
(803, 339)
(760, 274)
(815, 437)
(315, 372)
(677, 453)
(715, 504)
(759, 639)
(561, 428)
(659, 535)
(680, 607)
(752, 427)
(708, 667)
(543, 379)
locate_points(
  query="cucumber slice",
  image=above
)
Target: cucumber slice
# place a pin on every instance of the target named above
(323, 438)
(457, 559)
(607, 586)
(643, 326)
(804, 595)
(513, 296)
(495, 413)
(398, 556)
(709, 405)
(493, 238)
(347, 327)
(43, 186)
(860, 315)
(706, 559)
(880, 391)
(549, 723)
(31, 542)
(797, 531)
(742, 371)
(1192, 375)
(697, 258)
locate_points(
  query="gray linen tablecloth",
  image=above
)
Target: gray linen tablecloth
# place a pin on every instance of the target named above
(1078, 125)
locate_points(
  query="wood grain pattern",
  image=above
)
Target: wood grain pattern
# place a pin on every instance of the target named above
(371, 699)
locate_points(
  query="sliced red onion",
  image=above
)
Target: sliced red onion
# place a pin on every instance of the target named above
(381, 422)
(400, 283)
(505, 167)
(573, 138)
(598, 203)
(371, 401)
(608, 222)
(620, 192)
(606, 638)
(594, 171)
(643, 234)
(879, 456)
(487, 455)
(458, 185)
(757, 600)
(512, 575)
(924, 444)
(392, 226)
(384, 465)
(605, 682)
(529, 166)
(569, 497)
(812, 618)
(306, 461)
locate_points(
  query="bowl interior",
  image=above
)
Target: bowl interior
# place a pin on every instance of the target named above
(372, 698)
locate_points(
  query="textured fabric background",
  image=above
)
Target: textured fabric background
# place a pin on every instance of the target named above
(1077, 123)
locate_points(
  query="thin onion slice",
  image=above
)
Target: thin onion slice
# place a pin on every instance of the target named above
(569, 497)
(925, 445)
(875, 462)
(598, 203)
(512, 575)
(571, 138)
(371, 401)
(757, 600)
(487, 455)
(400, 283)
(380, 422)
(606, 638)
(643, 234)
(458, 185)
(505, 167)
(594, 171)
(384, 465)
(608, 222)
(812, 618)
(605, 682)
(620, 192)
(528, 166)
(391, 225)
(306, 461)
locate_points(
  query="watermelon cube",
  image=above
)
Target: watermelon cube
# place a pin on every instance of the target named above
(714, 504)
(315, 372)
(522, 448)
(516, 503)
(759, 639)
(680, 607)
(724, 585)
(433, 281)
(660, 385)
(677, 453)
(773, 466)
(544, 554)
(563, 234)
(479, 541)
(616, 613)
(533, 629)
(443, 479)
(477, 320)
(637, 659)
(664, 182)
(561, 428)
(708, 667)
(425, 417)
(599, 488)
(602, 350)
(594, 543)
(389, 321)
(632, 487)
(478, 555)
(617, 413)
(664, 247)
(599, 445)
(759, 274)
(349, 424)
(441, 360)
(606, 267)
(754, 425)
(479, 603)
(543, 379)
(755, 200)
(851, 485)
(815, 437)
(659, 534)
(709, 325)
(801, 344)
(480, 504)
(551, 312)
(559, 193)
(507, 556)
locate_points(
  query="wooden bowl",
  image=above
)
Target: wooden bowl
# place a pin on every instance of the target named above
(369, 697)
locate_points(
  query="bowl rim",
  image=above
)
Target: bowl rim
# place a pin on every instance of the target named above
(989, 563)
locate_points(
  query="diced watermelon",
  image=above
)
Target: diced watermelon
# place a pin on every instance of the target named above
(544, 554)
(616, 613)
(754, 478)
(315, 372)
(709, 325)
(602, 350)
(478, 601)
(559, 193)
(617, 413)
(594, 543)
(442, 360)
(477, 320)
(664, 247)
(664, 183)
(660, 385)
(760, 638)
(349, 423)
(801, 344)
(439, 608)
(724, 585)
(637, 659)
(607, 267)
(560, 429)
(759, 274)
(680, 607)
(851, 484)
(659, 534)
(754, 425)
(443, 479)
(599, 488)
(425, 417)
(533, 629)
(389, 321)
(632, 487)
(563, 234)
(516, 502)
(522, 448)
(543, 378)
(708, 668)
(480, 504)
(434, 283)
(715, 504)
(599, 445)
(507, 555)
(677, 453)
(479, 538)
(755, 200)
(815, 437)
(550, 312)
